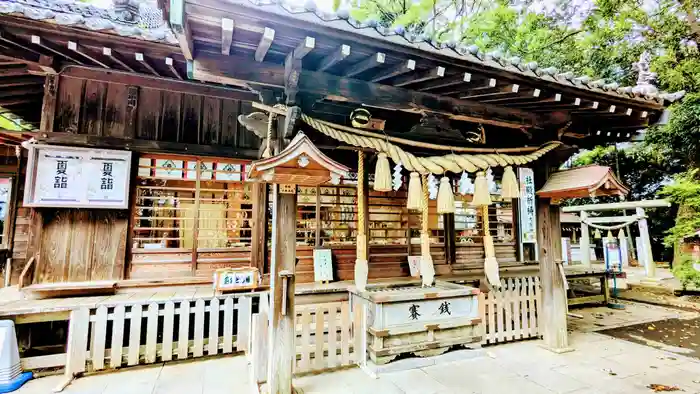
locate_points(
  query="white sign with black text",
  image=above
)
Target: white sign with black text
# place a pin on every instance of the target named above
(528, 218)
(77, 177)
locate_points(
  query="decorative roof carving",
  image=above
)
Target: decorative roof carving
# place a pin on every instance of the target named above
(129, 18)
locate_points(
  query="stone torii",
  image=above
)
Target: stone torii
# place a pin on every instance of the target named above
(639, 217)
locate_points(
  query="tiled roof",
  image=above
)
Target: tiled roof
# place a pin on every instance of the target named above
(146, 23)
(308, 12)
(582, 182)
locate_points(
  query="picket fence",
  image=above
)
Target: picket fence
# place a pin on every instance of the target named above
(149, 332)
(511, 312)
(145, 332)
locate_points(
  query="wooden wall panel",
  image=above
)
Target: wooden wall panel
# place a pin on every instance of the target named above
(92, 108)
(115, 111)
(122, 111)
(82, 245)
(70, 95)
(55, 241)
(211, 121)
(191, 119)
(229, 122)
(149, 114)
(172, 114)
(108, 258)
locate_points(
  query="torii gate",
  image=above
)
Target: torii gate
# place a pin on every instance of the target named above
(639, 217)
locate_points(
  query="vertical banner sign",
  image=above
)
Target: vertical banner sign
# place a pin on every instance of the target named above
(528, 220)
(77, 178)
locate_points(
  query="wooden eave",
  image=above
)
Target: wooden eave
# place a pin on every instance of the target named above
(582, 182)
(420, 78)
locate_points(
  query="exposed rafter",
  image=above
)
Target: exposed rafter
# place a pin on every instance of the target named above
(369, 63)
(420, 76)
(401, 68)
(116, 58)
(171, 66)
(264, 45)
(227, 27)
(334, 58)
(75, 47)
(142, 59)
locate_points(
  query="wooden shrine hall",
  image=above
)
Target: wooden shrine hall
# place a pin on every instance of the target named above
(307, 154)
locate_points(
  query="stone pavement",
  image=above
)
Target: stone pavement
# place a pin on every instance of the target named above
(600, 364)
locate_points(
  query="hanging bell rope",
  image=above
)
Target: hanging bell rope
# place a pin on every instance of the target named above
(268, 150)
(425, 165)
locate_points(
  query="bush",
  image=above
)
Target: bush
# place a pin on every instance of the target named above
(686, 272)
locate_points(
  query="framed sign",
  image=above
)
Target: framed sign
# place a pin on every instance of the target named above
(69, 177)
(228, 279)
(528, 218)
(323, 265)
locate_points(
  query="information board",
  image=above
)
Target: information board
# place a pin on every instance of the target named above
(69, 177)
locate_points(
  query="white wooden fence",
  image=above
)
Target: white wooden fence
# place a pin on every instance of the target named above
(511, 312)
(324, 337)
(144, 332)
(149, 332)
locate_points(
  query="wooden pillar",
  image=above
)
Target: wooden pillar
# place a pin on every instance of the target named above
(649, 264)
(448, 222)
(553, 307)
(48, 111)
(258, 244)
(585, 241)
(282, 352)
(362, 253)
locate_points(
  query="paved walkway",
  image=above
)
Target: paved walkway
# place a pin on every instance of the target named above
(600, 364)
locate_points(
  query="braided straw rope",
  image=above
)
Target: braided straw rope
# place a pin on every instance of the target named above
(431, 164)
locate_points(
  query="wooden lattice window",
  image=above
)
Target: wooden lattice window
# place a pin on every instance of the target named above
(5, 214)
(188, 203)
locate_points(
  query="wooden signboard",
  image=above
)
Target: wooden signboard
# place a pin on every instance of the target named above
(68, 177)
(323, 265)
(232, 279)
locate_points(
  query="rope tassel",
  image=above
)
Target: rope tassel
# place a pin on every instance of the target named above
(415, 193)
(509, 185)
(445, 198)
(382, 174)
(482, 197)
(490, 261)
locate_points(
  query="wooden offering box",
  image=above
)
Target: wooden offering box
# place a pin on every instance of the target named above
(407, 318)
